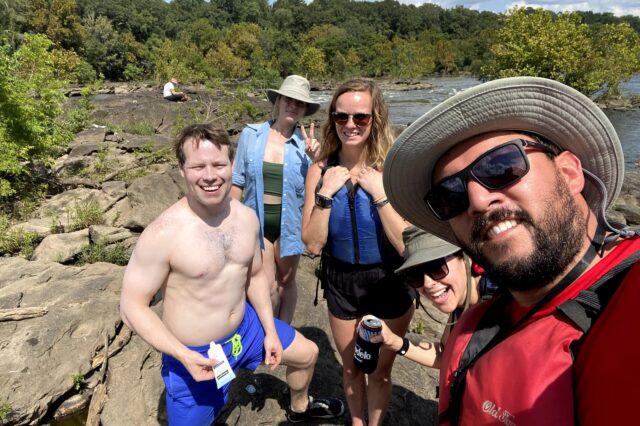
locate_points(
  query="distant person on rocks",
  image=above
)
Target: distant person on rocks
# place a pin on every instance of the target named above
(519, 172)
(171, 94)
(268, 175)
(203, 254)
(347, 218)
(444, 275)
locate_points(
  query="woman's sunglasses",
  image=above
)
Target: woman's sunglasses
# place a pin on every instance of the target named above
(359, 119)
(435, 269)
(498, 168)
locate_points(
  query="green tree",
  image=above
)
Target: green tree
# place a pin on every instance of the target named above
(618, 47)
(412, 58)
(279, 50)
(31, 130)
(312, 62)
(293, 15)
(57, 19)
(142, 18)
(102, 46)
(203, 34)
(242, 38)
(14, 16)
(539, 44)
(380, 60)
(225, 63)
(180, 58)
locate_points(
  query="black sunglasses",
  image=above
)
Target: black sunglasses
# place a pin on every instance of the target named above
(359, 119)
(435, 269)
(498, 168)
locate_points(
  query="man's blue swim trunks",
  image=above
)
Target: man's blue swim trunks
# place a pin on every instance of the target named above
(197, 403)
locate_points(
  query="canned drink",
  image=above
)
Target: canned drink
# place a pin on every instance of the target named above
(369, 326)
(365, 355)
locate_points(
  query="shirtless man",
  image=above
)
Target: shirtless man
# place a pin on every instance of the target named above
(203, 254)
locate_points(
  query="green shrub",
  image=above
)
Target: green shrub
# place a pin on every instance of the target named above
(84, 214)
(117, 253)
(85, 73)
(103, 165)
(142, 128)
(133, 72)
(55, 225)
(5, 410)
(79, 381)
(78, 117)
(16, 240)
(32, 133)
(149, 155)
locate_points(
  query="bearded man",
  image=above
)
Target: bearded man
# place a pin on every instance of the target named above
(519, 172)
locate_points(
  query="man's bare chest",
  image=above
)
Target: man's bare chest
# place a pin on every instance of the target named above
(205, 252)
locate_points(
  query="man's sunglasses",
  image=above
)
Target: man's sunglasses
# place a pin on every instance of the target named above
(359, 119)
(436, 269)
(498, 168)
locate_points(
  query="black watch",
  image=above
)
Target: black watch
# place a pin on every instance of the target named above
(405, 347)
(323, 202)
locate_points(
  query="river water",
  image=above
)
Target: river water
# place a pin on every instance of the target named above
(406, 106)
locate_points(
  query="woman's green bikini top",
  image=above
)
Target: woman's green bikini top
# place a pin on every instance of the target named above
(272, 175)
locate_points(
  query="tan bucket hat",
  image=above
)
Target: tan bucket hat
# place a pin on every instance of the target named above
(535, 105)
(295, 87)
(421, 247)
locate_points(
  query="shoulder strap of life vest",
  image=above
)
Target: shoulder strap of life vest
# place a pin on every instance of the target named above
(584, 309)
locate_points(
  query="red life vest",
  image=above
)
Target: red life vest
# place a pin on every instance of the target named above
(527, 379)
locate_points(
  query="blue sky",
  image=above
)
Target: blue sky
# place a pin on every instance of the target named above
(618, 8)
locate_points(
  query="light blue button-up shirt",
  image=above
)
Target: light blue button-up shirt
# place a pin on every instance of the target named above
(247, 174)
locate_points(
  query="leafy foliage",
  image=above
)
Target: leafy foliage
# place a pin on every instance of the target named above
(5, 410)
(79, 381)
(31, 132)
(16, 240)
(116, 253)
(563, 48)
(85, 214)
(200, 40)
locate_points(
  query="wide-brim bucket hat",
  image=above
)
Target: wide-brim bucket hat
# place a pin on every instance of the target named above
(421, 247)
(535, 105)
(295, 87)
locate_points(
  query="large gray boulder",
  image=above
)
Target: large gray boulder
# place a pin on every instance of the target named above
(61, 247)
(41, 355)
(66, 208)
(147, 197)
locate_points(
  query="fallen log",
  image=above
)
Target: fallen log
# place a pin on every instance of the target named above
(17, 314)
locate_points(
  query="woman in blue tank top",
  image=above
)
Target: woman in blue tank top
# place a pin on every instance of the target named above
(269, 171)
(347, 218)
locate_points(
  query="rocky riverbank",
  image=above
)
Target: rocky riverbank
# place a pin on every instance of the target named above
(64, 348)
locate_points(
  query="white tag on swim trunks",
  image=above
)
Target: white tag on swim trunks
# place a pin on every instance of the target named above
(222, 370)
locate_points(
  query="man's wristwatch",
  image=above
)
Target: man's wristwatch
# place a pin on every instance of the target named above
(405, 347)
(323, 202)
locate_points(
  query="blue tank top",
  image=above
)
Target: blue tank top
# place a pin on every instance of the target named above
(355, 233)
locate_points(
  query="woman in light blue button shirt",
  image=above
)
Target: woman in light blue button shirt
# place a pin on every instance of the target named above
(270, 168)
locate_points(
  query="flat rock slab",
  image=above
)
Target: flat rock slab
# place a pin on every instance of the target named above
(41, 355)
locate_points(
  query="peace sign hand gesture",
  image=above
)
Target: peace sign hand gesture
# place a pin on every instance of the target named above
(311, 144)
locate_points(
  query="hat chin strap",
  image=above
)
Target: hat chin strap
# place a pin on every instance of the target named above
(601, 239)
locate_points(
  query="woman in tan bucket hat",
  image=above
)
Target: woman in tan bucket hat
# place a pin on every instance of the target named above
(269, 173)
